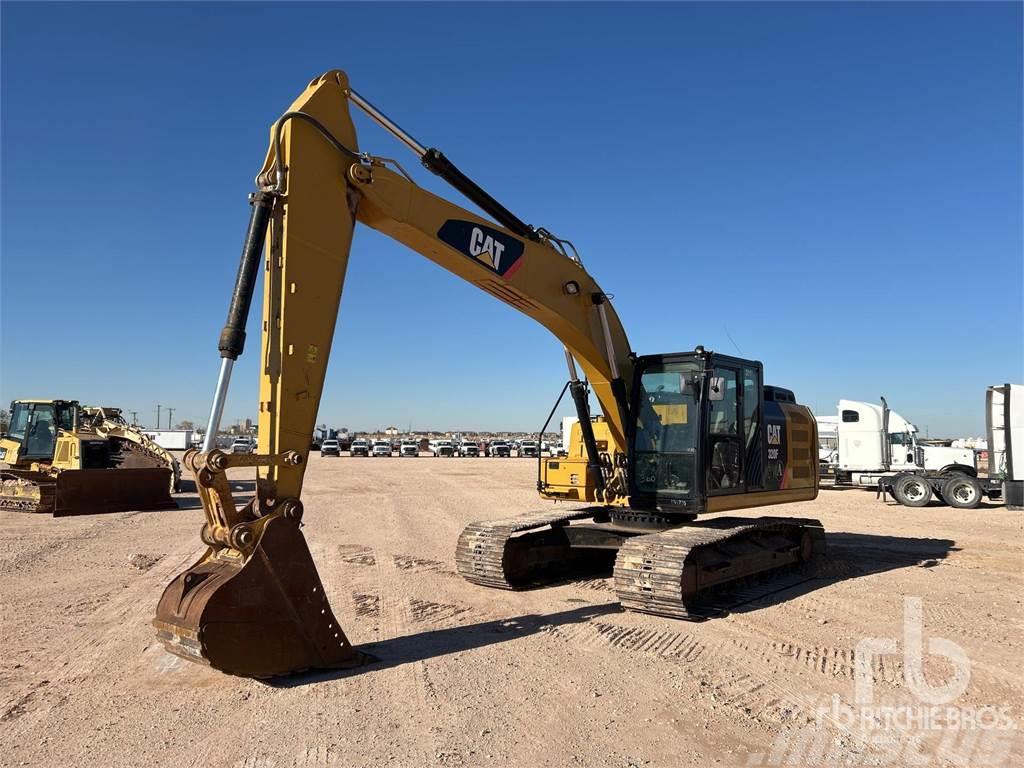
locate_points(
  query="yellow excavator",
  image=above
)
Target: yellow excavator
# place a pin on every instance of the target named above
(63, 458)
(679, 435)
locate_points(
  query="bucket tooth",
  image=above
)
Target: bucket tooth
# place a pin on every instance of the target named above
(260, 615)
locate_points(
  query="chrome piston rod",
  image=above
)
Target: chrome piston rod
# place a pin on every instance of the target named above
(217, 410)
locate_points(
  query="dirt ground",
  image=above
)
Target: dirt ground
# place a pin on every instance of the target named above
(470, 676)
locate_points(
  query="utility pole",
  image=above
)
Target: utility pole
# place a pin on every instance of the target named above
(135, 417)
(170, 413)
(158, 415)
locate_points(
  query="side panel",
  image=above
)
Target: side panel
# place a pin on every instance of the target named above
(802, 447)
(568, 478)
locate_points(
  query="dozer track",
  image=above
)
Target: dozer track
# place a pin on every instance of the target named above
(492, 555)
(670, 573)
(25, 491)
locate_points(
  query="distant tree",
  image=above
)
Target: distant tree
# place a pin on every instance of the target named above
(186, 424)
(5, 420)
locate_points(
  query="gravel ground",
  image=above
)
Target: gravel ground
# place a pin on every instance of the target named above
(470, 676)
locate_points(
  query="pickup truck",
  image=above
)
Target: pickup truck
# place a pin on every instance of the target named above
(359, 448)
(529, 449)
(330, 448)
(498, 448)
(469, 448)
(242, 445)
(443, 448)
(382, 448)
(409, 448)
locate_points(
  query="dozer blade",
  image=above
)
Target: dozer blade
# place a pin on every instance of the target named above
(96, 491)
(259, 616)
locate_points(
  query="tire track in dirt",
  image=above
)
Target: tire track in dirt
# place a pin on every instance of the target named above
(434, 613)
(366, 604)
(417, 564)
(657, 642)
(743, 675)
(357, 554)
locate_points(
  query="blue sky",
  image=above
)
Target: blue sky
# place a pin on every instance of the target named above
(834, 189)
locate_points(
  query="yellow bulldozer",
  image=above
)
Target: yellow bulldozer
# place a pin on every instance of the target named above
(59, 457)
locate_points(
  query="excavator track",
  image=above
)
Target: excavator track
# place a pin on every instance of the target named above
(515, 554)
(673, 572)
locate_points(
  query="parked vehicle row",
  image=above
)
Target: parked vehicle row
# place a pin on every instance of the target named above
(442, 448)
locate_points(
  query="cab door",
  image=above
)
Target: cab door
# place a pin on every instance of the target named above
(725, 443)
(734, 445)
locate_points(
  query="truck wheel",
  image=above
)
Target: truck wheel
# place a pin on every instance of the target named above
(962, 492)
(912, 491)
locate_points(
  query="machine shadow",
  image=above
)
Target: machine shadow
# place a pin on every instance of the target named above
(847, 556)
(395, 652)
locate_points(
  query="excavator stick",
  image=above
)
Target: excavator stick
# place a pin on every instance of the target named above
(86, 491)
(253, 605)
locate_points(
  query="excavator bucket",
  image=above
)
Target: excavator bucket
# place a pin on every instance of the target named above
(260, 615)
(86, 491)
(95, 491)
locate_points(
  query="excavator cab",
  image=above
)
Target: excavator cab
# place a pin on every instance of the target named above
(704, 434)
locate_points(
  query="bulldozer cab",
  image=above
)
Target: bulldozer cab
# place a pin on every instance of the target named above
(35, 424)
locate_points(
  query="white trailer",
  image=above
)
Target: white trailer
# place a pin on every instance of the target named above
(1004, 421)
(567, 422)
(171, 439)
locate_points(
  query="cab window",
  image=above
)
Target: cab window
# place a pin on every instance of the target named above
(19, 421)
(665, 442)
(41, 431)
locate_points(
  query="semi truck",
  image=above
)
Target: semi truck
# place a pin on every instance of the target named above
(877, 448)
(871, 439)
